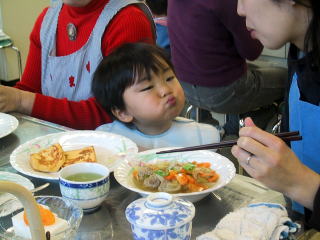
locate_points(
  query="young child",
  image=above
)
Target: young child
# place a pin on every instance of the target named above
(81, 32)
(159, 12)
(136, 84)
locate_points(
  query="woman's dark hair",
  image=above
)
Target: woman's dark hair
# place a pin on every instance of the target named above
(158, 7)
(312, 38)
(122, 68)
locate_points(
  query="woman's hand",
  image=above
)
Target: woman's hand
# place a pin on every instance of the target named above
(274, 164)
(13, 99)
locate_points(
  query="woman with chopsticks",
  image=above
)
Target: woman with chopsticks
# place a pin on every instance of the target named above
(295, 171)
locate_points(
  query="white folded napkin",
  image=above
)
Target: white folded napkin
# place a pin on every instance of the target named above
(259, 221)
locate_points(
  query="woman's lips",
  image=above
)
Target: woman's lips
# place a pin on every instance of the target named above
(252, 33)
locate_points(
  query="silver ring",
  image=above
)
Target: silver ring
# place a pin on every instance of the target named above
(248, 159)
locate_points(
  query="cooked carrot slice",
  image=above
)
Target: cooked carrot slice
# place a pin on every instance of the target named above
(190, 179)
(182, 179)
(171, 176)
(214, 178)
(204, 164)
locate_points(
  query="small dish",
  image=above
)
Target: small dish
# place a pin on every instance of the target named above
(64, 209)
(88, 194)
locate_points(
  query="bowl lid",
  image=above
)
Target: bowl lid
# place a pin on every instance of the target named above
(160, 211)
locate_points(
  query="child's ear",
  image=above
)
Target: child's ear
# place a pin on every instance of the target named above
(122, 115)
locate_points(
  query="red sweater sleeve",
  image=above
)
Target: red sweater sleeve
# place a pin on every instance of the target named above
(129, 25)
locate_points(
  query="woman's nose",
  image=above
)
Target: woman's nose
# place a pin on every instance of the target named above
(240, 9)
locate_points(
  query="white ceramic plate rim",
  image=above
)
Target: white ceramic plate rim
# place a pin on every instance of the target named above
(24, 167)
(16, 179)
(122, 172)
(10, 124)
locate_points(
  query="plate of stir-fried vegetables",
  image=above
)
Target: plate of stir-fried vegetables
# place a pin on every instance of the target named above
(190, 175)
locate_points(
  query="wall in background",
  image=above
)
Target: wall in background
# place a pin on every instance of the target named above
(277, 58)
(3, 63)
(18, 17)
(280, 53)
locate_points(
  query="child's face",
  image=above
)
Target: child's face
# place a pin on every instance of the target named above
(154, 103)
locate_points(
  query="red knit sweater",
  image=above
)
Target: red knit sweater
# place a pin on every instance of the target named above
(129, 25)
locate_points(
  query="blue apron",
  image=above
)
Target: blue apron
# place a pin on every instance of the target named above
(305, 118)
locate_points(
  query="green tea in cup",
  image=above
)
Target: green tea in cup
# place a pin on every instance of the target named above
(86, 184)
(84, 177)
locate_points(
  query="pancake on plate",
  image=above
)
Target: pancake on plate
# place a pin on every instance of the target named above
(50, 159)
(86, 154)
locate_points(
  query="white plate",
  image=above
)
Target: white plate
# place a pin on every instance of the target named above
(110, 149)
(16, 178)
(222, 165)
(8, 124)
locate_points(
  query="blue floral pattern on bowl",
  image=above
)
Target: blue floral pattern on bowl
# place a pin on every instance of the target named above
(160, 216)
(181, 233)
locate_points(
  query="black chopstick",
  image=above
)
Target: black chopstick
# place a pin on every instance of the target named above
(285, 136)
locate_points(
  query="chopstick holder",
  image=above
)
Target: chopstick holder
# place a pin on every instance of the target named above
(285, 136)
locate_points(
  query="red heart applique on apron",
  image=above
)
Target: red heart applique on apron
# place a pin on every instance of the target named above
(71, 81)
(88, 66)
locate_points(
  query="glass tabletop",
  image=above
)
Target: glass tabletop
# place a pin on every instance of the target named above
(109, 221)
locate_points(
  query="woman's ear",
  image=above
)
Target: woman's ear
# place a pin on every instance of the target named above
(122, 115)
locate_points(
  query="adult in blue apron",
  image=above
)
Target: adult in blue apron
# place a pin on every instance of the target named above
(304, 117)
